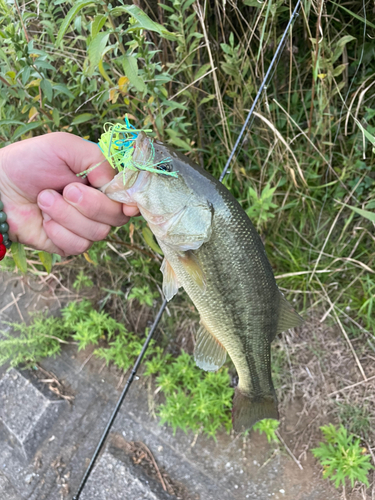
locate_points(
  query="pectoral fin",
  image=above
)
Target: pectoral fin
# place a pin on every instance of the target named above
(288, 318)
(193, 268)
(209, 353)
(170, 282)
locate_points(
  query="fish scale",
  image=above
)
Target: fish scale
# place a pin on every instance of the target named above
(213, 251)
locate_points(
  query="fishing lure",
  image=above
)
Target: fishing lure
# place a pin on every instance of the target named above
(117, 145)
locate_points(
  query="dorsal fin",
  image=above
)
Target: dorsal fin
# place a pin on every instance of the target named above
(209, 353)
(170, 282)
(288, 317)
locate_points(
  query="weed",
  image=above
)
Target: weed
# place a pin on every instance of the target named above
(143, 295)
(124, 350)
(261, 206)
(82, 281)
(34, 342)
(80, 323)
(342, 457)
(269, 426)
(355, 418)
(194, 399)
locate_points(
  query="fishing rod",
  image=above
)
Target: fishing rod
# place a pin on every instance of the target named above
(247, 123)
(120, 400)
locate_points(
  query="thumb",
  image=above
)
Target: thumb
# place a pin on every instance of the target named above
(81, 155)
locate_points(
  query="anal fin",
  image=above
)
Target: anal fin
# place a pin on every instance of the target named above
(288, 317)
(170, 282)
(209, 353)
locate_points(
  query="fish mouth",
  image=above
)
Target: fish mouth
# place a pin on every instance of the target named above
(139, 184)
(142, 150)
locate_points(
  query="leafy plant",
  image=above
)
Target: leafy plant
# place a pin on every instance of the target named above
(355, 418)
(261, 206)
(33, 342)
(342, 457)
(82, 281)
(143, 295)
(268, 426)
(80, 323)
(194, 399)
(124, 350)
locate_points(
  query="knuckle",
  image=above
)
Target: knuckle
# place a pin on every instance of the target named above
(79, 246)
(100, 232)
(121, 220)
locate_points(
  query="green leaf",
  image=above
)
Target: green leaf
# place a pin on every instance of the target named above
(56, 117)
(202, 70)
(96, 48)
(11, 122)
(339, 46)
(339, 69)
(353, 14)
(46, 86)
(144, 21)
(131, 71)
(25, 128)
(40, 63)
(60, 88)
(19, 256)
(98, 24)
(4, 57)
(46, 260)
(69, 17)
(172, 106)
(253, 3)
(177, 141)
(364, 213)
(84, 117)
(149, 239)
(25, 74)
(207, 99)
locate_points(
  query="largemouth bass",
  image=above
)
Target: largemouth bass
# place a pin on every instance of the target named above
(213, 251)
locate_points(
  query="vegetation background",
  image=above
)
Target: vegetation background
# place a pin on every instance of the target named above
(305, 174)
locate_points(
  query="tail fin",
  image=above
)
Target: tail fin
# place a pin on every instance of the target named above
(246, 411)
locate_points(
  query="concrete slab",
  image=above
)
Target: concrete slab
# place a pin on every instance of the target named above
(25, 413)
(7, 490)
(115, 478)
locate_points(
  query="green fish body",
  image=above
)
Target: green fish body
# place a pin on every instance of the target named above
(213, 251)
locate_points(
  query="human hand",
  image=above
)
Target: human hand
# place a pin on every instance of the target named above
(48, 207)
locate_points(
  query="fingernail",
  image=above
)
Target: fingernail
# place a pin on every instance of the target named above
(46, 199)
(73, 194)
(46, 217)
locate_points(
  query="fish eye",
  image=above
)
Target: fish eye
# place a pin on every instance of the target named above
(165, 167)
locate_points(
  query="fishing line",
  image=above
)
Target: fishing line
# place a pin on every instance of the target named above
(163, 306)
